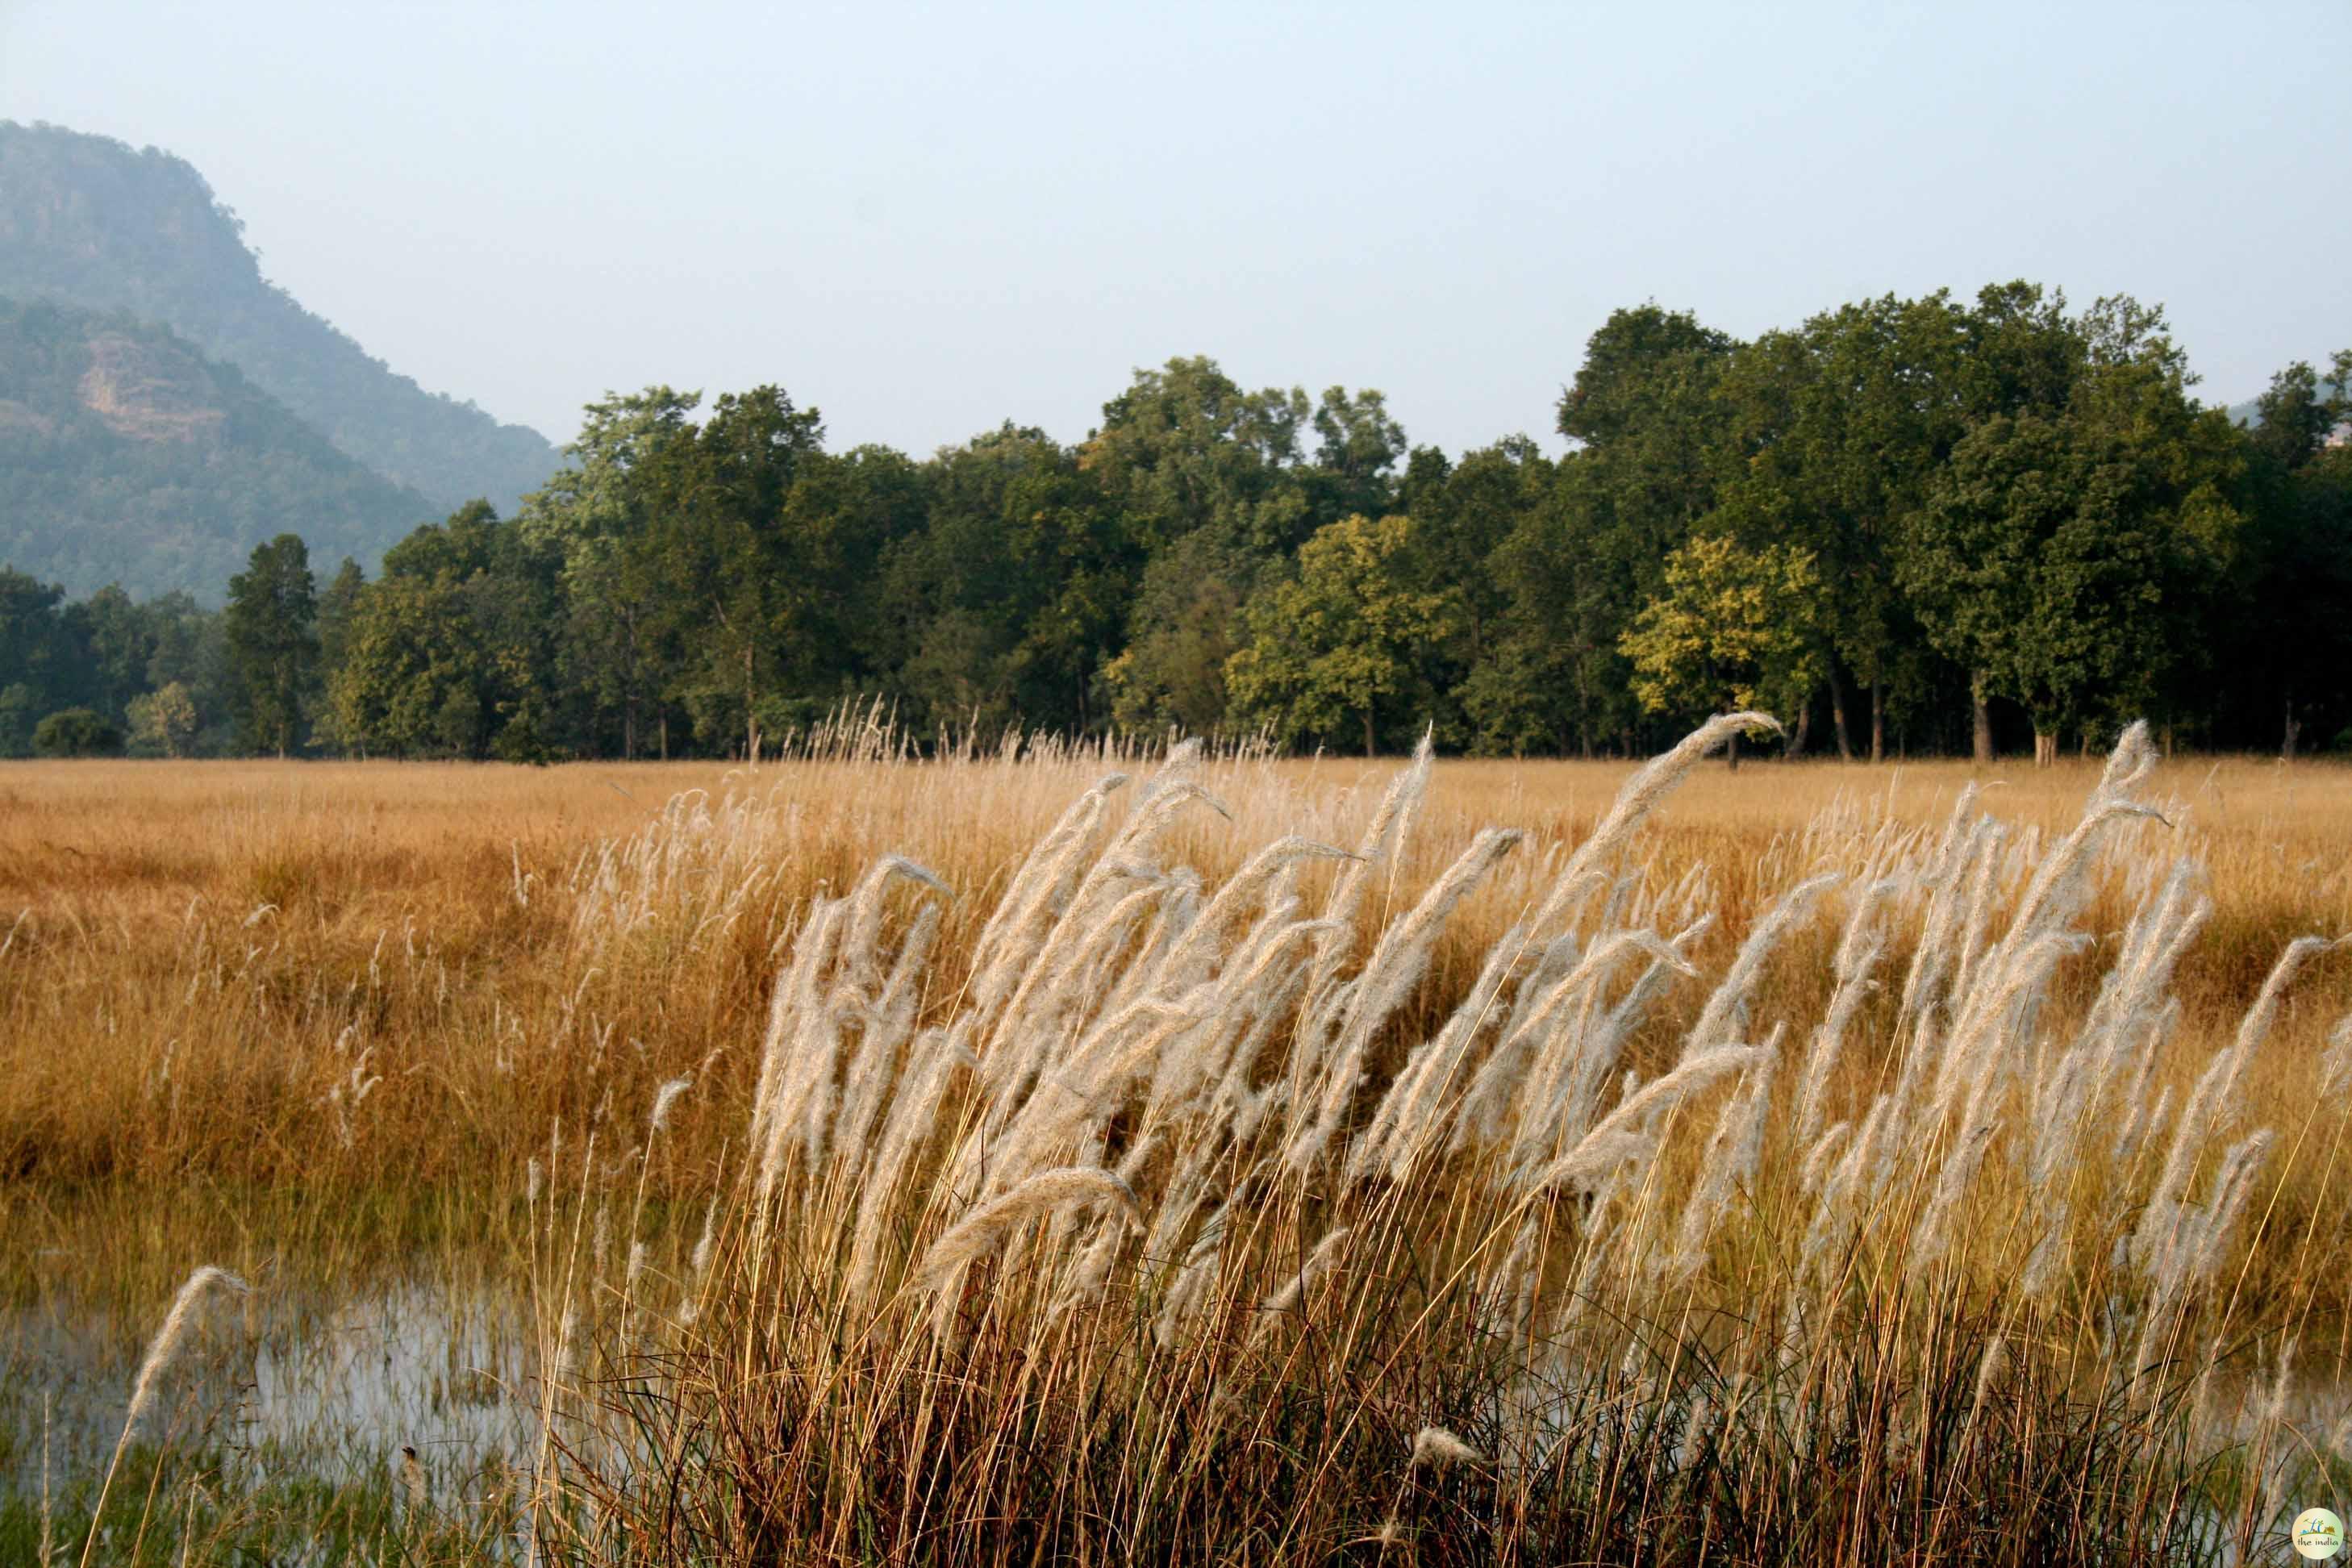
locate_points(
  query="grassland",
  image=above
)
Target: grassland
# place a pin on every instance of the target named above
(1979, 1224)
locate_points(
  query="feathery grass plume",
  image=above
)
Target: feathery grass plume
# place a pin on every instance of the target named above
(872, 1070)
(1318, 1263)
(665, 1097)
(160, 1352)
(1048, 1192)
(1187, 961)
(1376, 850)
(1413, 1115)
(1193, 1279)
(1659, 1094)
(2335, 1063)
(1436, 1449)
(1046, 874)
(1641, 794)
(794, 997)
(2101, 1080)
(1557, 1064)
(863, 932)
(1725, 1014)
(937, 1055)
(1858, 951)
(1396, 965)
(1729, 1165)
(1991, 1367)
(2212, 1102)
(166, 1342)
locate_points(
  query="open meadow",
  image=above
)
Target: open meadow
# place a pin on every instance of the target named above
(863, 1158)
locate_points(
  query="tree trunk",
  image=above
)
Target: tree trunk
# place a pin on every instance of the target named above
(1795, 743)
(1878, 721)
(1731, 752)
(2045, 747)
(1369, 749)
(1984, 716)
(1837, 715)
(2294, 728)
(665, 734)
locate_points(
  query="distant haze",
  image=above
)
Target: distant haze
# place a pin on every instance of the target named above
(926, 221)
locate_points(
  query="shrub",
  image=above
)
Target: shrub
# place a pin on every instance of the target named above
(76, 732)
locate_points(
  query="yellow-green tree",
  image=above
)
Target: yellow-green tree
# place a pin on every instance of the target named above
(1734, 629)
(1346, 633)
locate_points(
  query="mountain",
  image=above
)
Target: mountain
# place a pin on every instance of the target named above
(88, 221)
(126, 456)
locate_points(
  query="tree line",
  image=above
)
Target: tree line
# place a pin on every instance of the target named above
(1908, 525)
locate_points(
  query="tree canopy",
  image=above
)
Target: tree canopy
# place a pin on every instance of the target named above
(1911, 524)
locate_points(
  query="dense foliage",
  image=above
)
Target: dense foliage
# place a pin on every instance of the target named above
(1907, 524)
(88, 221)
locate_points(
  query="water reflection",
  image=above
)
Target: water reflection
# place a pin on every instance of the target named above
(278, 1382)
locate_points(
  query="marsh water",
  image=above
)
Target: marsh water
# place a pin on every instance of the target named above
(276, 1382)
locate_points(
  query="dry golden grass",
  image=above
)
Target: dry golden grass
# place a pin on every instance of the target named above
(325, 1019)
(198, 955)
(134, 897)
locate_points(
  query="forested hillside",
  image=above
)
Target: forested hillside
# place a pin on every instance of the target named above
(1906, 525)
(126, 456)
(89, 221)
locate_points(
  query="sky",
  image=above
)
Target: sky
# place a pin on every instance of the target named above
(928, 220)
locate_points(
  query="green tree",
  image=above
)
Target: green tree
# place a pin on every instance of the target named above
(190, 645)
(1586, 538)
(2061, 558)
(31, 657)
(117, 640)
(745, 598)
(1009, 591)
(2285, 644)
(1841, 427)
(1183, 629)
(339, 607)
(273, 642)
(76, 732)
(451, 652)
(1734, 630)
(1351, 630)
(1185, 448)
(164, 723)
(613, 648)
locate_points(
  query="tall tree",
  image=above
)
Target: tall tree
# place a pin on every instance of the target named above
(1843, 427)
(742, 596)
(1733, 630)
(2060, 556)
(273, 642)
(1350, 632)
(30, 658)
(1185, 448)
(593, 512)
(1645, 415)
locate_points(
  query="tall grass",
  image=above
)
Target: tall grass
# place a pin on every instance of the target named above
(1165, 1226)
(998, 1157)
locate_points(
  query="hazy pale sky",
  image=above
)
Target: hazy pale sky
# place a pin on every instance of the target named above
(927, 220)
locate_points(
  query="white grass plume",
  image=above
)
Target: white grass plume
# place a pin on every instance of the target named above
(166, 1342)
(1436, 1449)
(1048, 1192)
